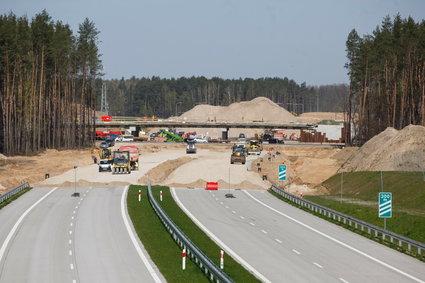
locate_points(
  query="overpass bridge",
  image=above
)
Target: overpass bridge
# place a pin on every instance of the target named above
(226, 126)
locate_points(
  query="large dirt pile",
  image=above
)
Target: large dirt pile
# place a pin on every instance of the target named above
(258, 109)
(391, 150)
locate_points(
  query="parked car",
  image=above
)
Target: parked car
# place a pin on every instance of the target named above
(126, 138)
(110, 142)
(103, 144)
(105, 165)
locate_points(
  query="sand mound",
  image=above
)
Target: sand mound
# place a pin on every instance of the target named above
(158, 174)
(391, 150)
(258, 109)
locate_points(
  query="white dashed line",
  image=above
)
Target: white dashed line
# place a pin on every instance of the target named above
(70, 252)
(79, 202)
(264, 231)
(213, 195)
(76, 207)
(221, 202)
(216, 198)
(242, 217)
(81, 199)
(72, 266)
(279, 241)
(84, 195)
(70, 232)
(318, 265)
(234, 212)
(73, 212)
(74, 281)
(87, 191)
(297, 252)
(345, 281)
(70, 224)
(252, 224)
(226, 206)
(70, 242)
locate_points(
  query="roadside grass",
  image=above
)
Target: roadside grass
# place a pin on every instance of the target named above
(408, 192)
(159, 244)
(9, 200)
(237, 272)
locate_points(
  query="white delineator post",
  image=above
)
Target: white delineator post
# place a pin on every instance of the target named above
(160, 195)
(140, 195)
(221, 259)
(184, 259)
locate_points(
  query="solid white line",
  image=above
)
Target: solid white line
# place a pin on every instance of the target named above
(217, 240)
(318, 265)
(264, 231)
(133, 238)
(337, 241)
(279, 241)
(345, 281)
(297, 252)
(15, 227)
(72, 266)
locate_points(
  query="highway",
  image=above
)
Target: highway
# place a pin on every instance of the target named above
(48, 236)
(280, 243)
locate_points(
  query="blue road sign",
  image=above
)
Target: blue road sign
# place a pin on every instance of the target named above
(385, 205)
(282, 172)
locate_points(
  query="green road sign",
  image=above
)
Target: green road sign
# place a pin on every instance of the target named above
(282, 172)
(385, 205)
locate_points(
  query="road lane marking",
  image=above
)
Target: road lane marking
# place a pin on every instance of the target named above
(279, 241)
(15, 227)
(72, 217)
(70, 224)
(242, 217)
(74, 281)
(252, 224)
(336, 240)
(70, 252)
(218, 241)
(81, 199)
(70, 232)
(226, 206)
(264, 231)
(234, 212)
(72, 266)
(133, 238)
(345, 281)
(216, 198)
(297, 252)
(318, 265)
(221, 202)
(70, 242)
(76, 207)
(73, 212)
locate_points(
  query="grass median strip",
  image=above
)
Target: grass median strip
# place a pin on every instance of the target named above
(159, 244)
(161, 247)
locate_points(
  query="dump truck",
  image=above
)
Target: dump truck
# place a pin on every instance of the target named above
(134, 155)
(121, 162)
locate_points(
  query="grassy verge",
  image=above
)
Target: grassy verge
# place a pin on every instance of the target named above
(9, 200)
(231, 267)
(157, 241)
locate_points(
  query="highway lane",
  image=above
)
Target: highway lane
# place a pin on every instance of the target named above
(284, 250)
(68, 239)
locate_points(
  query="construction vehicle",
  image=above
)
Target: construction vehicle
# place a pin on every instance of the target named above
(255, 147)
(170, 136)
(134, 155)
(121, 162)
(241, 145)
(105, 165)
(238, 155)
(191, 148)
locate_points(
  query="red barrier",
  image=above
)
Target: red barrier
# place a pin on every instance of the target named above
(212, 186)
(106, 118)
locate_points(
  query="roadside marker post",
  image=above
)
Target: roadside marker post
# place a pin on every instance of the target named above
(282, 172)
(184, 259)
(140, 195)
(221, 259)
(160, 195)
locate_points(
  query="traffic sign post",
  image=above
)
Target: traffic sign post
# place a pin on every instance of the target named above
(385, 206)
(282, 172)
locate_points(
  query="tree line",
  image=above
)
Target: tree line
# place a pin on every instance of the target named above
(387, 77)
(169, 97)
(47, 83)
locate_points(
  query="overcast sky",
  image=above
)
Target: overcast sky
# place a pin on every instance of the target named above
(301, 40)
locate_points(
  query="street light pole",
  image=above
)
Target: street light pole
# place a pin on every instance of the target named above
(75, 194)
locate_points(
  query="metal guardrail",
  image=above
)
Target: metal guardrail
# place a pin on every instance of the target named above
(353, 222)
(13, 192)
(184, 242)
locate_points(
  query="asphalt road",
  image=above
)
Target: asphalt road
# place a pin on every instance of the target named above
(281, 243)
(69, 239)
